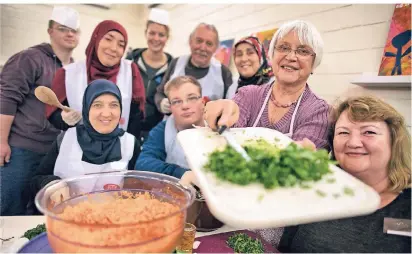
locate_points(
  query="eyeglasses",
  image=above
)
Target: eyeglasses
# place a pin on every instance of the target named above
(300, 52)
(67, 30)
(189, 100)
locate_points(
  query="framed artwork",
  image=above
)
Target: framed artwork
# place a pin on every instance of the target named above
(224, 52)
(396, 59)
(265, 37)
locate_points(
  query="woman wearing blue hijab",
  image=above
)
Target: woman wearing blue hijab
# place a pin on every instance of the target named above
(96, 146)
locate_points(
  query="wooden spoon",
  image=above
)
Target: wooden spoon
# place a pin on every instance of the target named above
(47, 96)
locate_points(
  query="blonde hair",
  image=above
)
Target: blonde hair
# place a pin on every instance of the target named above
(178, 81)
(369, 108)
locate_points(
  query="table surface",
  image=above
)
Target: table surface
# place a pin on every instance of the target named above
(16, 226)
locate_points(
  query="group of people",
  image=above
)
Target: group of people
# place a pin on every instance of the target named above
(125, 115)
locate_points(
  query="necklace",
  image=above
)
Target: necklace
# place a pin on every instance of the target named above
(280, 105)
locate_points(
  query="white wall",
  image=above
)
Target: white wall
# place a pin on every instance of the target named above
(354, 37)
(25, 25)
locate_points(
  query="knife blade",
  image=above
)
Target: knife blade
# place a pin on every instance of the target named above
(231, 140)
(397, 226)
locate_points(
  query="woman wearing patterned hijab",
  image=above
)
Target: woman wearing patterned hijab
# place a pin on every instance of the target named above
(251, 63)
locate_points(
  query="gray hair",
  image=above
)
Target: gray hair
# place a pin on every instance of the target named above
(307, 34)
(208, 26)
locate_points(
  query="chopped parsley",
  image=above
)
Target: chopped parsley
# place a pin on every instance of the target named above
(31, 233)
(348, 191)
(242, 243)
(331, 180)
(321, 193)
(271, 166)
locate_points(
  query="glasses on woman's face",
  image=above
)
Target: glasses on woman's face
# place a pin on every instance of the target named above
(66, 30)
(189, 100)
(300, 52)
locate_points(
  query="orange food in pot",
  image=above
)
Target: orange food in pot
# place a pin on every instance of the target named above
(122, 222)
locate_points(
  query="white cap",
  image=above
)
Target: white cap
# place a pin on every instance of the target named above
(159, 16)
(66, 16)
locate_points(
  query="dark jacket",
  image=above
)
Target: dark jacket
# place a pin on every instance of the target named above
(360, 234)
(153, 155)
(21, 74)
(151, 82)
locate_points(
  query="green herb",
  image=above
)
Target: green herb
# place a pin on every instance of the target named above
(271, 166)
(31, 233)
(331, 180)
(305, 186)
(348, 191)
(260, 197)
(336, 195)
(242, 243)
(321, 193)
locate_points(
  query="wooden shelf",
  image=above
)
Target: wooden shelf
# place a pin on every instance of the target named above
(373, 80)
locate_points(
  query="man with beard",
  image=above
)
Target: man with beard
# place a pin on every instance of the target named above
(214, 77)
(25, 133)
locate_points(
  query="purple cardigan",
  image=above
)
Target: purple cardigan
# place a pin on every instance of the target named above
(311, 120)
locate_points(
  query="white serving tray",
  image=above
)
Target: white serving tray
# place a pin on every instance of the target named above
(253, 206)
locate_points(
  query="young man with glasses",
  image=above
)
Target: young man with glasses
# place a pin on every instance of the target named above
(25, 133)
(162, 152)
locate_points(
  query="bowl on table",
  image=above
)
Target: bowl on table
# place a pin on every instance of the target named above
(129, 211)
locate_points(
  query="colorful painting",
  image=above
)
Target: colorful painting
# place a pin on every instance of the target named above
(396, 59)
(224, 52)
(265, 37)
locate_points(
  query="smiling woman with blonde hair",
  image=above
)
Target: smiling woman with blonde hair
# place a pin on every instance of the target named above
(370, 109)
(153, 63)
(370, 141)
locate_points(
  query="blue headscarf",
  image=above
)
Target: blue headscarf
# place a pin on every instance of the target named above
(99, 148)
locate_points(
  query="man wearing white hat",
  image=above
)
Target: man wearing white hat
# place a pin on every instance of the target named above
(153, 63)
(214, 77)
(25, 133)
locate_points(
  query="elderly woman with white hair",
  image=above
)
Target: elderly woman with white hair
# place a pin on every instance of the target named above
(286, 104)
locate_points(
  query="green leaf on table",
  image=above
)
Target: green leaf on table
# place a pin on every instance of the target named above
(31, 233)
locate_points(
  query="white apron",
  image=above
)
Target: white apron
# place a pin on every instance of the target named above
(69, 162)
(212, 84)
(174, 151)
(292, 121)
(76, 83)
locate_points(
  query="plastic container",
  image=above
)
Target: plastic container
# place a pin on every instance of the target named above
(155, 235)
